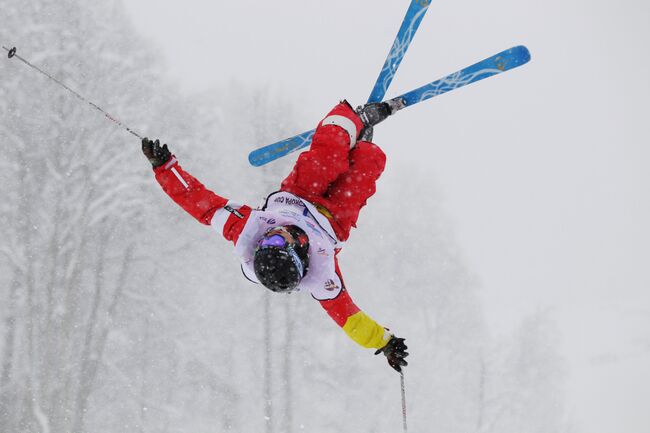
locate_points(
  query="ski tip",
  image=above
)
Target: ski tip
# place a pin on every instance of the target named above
(421, 4)
(254, 160)
(511, 58)
(522, 53)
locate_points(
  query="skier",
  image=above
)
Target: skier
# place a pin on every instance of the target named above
(291, 243)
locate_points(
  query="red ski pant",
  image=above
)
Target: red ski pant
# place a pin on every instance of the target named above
(332, 175)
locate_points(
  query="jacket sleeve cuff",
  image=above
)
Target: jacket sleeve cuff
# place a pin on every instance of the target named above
(166, 166)
(365, 331)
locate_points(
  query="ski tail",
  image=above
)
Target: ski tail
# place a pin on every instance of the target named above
(409, 27)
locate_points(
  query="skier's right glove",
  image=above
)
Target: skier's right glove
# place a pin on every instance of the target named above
(155, 153)
(395, 351)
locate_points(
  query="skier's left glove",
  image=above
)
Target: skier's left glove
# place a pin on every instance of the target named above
(155, 153)
(395, 351)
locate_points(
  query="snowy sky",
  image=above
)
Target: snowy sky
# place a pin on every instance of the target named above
(543, 171)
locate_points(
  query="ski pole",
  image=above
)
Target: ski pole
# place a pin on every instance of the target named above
(401, 375)
(11, 53)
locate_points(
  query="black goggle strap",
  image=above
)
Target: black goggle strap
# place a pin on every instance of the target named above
(297, 261)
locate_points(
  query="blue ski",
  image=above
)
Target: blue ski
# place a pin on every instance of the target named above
(271, 152)
(410, 24)
(502, 62)
(405, 35)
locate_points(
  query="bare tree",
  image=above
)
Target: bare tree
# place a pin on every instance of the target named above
(74, 224)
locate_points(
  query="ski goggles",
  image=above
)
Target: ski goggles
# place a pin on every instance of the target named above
(278, 237)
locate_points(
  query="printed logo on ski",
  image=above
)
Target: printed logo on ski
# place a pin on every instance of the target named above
(501, 63)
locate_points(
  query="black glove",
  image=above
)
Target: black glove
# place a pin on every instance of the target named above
(395, 351)
(156, 154)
